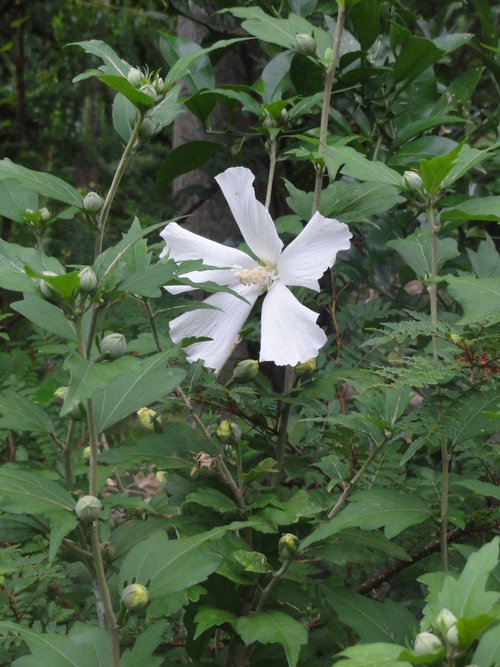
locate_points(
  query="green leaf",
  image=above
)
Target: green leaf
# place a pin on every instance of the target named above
(357, 166)
(128, 534)
(25, 492)
(207, 616)
(119, 83)
(113, 64)
(372, 509)
(14, 199)
(64, 285)
(470, 628)
(487, 653)
(467, 159)
(265, 467)
(478, 297)
(168, 450)
(366, 18)
(212, 498)
(89, 377)
(274, 627)
(466, 596)
(268, 29)
(396, 401)
(146, 282)
(415, 56)
(372, 655)
(43, 184)
(21, 414)
(465, 418)
(434, 658)
(486, 261)
(481, 488)
(416, 251)
(184, 159)
(435, 171)
(459, 92)
(484, 209)
(166, 111)
(83, 646)
(422, 125)
(45, 315)
(373, 621)
(171, 565)
(253, 561)
(62, 524)
(300, 505)
(306, 75)
(124, 116)
(142, 653)
(126, 395)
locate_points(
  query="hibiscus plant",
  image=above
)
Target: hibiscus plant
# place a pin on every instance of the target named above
(310, 478)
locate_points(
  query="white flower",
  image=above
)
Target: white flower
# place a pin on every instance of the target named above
(290, 334)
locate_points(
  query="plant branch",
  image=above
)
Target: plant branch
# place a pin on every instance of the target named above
(325, 110)
(267, 590)
(282, 433)
(272, 167)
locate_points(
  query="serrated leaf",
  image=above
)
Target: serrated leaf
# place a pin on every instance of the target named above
(126, 395)
(43, 184)
(487, 653)
(142, 653)
(372, 655)
(253, 561)
(372, 509)
(416, 251)
(21, 414)
(207, 616)
(478, 297)
(168, 450)
(89, 377)
(274, 627)
(212, 498)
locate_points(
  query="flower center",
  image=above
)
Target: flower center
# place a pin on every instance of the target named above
(263, 276)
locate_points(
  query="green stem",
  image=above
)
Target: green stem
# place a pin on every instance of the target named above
(325, 110)
(239, 466)
(282, 433)
(267, 590)
(272, 167)
(444, 444)
(67, 455)
(352, 484)
(112, 628)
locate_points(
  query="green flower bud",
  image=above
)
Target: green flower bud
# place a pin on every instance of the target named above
(327, 58)
(425, 643)
(308, 366)
(288, 546)
(78, 413)
(134, 76)
(162, 479)
(150, 91)
(113, 346)
(246, 370)
(86, 453)
(147, 128)
(134, 597)
(452, 636)
(45, 214)
(412, 180)
(269, 122)
(88, 280)
(456, 338)
(88, 509)
(444, 621)
(46, 289)
(146, 418)
(92, 202)
(228, 432)
(159, 84)
(305, 45)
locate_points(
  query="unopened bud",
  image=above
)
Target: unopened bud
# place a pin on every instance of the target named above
(134, 76)
(425, 643)
(86, 453)
(134, 597)
(288, 546)
(147, 128)
(444, 621)
(246, 370)
(452, 636)
(150, 91)
(45, 288)
(159, 84)
(45, 214)
(269, 122)
(147, 420)
(412, 180)
(228, 432)
(88, 509)
(92, 202)
(327, 58)
(308, 366)
(305, 45)
(113, 346)
(88, 280)
(78, 413)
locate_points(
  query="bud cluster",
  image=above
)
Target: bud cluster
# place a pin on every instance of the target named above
(273, 120)
(149, 84)
(446, 635)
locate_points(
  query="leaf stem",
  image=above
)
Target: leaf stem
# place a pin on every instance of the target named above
(325, 110)
(282, 433)
(267, 590)
(68, 472)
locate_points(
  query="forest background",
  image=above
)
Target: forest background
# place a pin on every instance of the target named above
(342, 511)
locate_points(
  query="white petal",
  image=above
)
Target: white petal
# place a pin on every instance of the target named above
(184, 245)
(222, 277)
(252, 217)
(222, 326)
(313, 251)
(290, 334)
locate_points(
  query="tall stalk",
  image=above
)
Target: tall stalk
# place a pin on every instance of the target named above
(444, 444)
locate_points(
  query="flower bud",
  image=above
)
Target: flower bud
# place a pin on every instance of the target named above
(425, 643)
(92, 202)
(88, 509)
(147, 128)
(88, 280)
(288, 546)
(327, 58)
(113, 346)
(412, 180)
(305, 45)
(78, 413)
(269, 122)
(45, 288)
(86, 453)
(134, 597)
(146, 418)
(228, 432)
(134, 76)
(456, 338)
(246, 370)
(162, 479)
(308, 366)
(159, 84)
(444, 621)
(45, 214)
(452, 636)
(150, 91)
